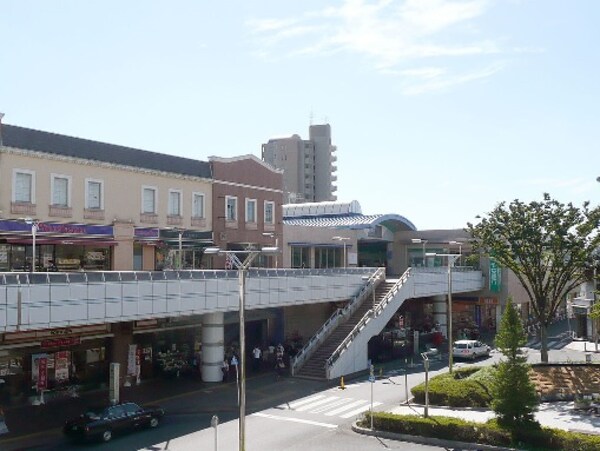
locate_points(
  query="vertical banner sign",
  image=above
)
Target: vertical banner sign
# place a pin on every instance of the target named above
(132, 359)
(42, 382)
(495, 276)
(113, 390)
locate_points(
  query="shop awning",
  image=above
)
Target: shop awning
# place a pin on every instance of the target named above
(68, 241)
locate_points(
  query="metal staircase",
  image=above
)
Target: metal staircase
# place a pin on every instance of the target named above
(315, 366)
(340, 347)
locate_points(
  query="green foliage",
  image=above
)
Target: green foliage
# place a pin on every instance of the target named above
(511, 336)
(514, 397)
(490, 433)
(547, 245)
(461, 388)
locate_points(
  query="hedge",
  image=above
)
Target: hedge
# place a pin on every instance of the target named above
(490, 433)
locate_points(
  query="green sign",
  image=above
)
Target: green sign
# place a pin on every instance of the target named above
(495, 276)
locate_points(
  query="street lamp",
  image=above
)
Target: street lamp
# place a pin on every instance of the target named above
(459, 244)
(273, 235)
(180, 255)
(451, 259)
(34, 228)
(242, 267)
(343, 239)
(423, 242)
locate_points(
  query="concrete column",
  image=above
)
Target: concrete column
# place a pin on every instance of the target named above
(440, 313)
(123, 253)
(213, 347)
(120, 347)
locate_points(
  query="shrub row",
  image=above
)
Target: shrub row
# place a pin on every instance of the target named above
(465, 387)
(490, 433)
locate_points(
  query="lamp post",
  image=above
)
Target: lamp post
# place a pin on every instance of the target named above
(423, 242)
(451, 259)
(459, 244)
(343, 239)
(242, 267)
(274, 235)
(180, 255)
(34, 229)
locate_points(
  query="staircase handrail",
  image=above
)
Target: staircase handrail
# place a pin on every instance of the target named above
(332, 322)
(371, 313)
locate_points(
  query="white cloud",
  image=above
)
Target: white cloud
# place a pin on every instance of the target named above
(396, 36)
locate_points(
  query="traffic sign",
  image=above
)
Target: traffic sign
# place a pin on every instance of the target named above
(371, 378)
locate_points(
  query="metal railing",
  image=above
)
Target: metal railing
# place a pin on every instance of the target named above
(333, 321)
(371, 313)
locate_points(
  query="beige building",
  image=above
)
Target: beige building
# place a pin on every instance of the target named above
(94, 205)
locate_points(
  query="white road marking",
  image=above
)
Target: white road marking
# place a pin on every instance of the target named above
(295, 404)
(315, 404)
(344, 408)
(295, 420)
(339, 402)
(361, 410)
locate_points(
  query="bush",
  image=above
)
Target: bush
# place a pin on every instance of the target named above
(490, 433)
(465, 387)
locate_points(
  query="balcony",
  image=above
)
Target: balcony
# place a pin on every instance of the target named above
(199, 222)
(333, 168)
(174, 220)
(148, 218)
(57, 211)
(23, 208)
(333, 158)
(94, 214)
(333, 178)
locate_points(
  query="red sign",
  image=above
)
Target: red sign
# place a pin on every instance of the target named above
(42, 382)
(60, 342)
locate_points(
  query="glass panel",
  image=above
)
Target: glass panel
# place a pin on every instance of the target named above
(23, 187)
(60, 196)
(94, 193)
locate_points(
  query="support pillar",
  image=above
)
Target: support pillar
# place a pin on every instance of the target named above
(213, 347)
(440, 313)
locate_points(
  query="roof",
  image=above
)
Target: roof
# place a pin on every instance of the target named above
(52, 143)
(307, 209)
(352, 221)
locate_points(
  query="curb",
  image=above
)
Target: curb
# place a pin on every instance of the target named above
(422, 440)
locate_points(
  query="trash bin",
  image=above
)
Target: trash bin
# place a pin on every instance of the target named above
(588, 358)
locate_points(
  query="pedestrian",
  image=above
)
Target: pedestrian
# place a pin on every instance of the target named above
(279, 366)
(257, 354)
(3, 427)
(225, 369)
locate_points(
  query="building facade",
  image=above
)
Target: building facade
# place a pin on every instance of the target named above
(91, 205)
(308, 165)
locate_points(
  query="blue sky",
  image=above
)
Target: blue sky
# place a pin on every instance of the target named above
(440, 109)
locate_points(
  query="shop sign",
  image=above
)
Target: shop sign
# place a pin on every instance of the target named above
(132, 360)
(42, 382)
(60, 342)
(61, 366)
(495, 276)
(488, 301)
(12, 337)
(146, 323)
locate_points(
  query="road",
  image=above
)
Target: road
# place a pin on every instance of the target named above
(288, 414)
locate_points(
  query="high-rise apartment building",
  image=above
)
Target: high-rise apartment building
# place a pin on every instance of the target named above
(308, 165)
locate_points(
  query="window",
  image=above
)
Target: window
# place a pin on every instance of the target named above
(23, 186)
(148, 200)
(198, 205)
(269, 212)
(174, 203)
(94, 194)
(251, 210)
(60, 188)
(300, 257)
(230, 208)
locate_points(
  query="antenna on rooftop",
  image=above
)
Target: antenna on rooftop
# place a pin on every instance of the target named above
(311, 117)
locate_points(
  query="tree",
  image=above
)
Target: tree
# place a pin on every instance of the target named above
(514, 398)
(547, 245)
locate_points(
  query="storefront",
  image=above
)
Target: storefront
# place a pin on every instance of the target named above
(169, 347)
(58, 247)
(182, 249)
(58, 361)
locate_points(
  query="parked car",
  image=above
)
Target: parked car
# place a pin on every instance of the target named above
(103, 422)
(470, 349)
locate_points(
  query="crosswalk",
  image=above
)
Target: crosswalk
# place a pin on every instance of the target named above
(330, 406)
(558, 342)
